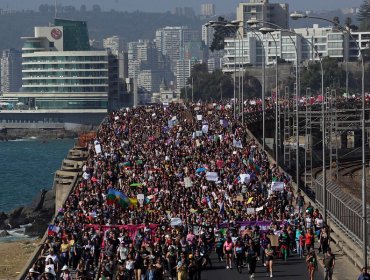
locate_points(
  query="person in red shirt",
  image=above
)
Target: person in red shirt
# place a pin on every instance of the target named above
(310, 240)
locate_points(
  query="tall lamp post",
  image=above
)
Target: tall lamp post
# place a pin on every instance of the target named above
(236, 23)
(264, 31)
(279, 28)
(296, 16)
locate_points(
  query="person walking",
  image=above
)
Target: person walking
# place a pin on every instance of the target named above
(324, 240)
(252, 258)
(239, 255)
(329, 263)
(311, 262)
(269, 252)
(219, 247)
(364, 275)
(228, 251)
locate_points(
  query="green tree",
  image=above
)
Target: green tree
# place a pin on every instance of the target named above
(221, 32)
(348, 22)
(364, 15)
(208, 86)
(334, 76)
(252, 86)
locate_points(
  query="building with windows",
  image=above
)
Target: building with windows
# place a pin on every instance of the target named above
(171, 40)
(207, 10)
(11, 70)
(114, 43)
(262, 10)
(310, 45)
(60, 73)
(183, 71)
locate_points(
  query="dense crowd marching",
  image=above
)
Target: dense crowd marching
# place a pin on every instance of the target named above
(208, 189)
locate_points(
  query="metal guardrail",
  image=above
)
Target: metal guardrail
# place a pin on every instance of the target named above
(343, 209)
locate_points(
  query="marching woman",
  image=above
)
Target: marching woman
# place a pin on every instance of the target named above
(269, 252)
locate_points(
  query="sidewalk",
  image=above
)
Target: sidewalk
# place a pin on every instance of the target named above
(344, 269)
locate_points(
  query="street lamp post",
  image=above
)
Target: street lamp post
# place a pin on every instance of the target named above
(253, 22)
(268, 30)
(235, 23)
(296, 16)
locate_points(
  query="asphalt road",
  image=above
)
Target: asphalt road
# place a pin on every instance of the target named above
(293, 269)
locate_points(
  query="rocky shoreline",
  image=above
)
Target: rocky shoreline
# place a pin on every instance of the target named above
(39, 214)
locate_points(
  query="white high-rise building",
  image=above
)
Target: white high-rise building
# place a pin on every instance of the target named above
(207, 9)
(114, 43)
(310, 45)
(183, 71)
(143, 63)
(207, 34)
(149, 80)
(171, 40)
(11, 70)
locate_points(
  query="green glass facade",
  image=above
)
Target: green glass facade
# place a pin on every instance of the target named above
(76, 37)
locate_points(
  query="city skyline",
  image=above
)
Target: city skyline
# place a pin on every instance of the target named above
(168, 5)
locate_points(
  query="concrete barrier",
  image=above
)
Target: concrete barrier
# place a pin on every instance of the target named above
(65, 180)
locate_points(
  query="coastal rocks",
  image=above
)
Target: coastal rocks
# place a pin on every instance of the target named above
(4, 233)
(16, 218)
(38, 227)
(3, 218)
(39, 213)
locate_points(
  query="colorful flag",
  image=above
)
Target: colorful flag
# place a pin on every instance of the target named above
(209, 202)
(133, 201)
(118, 198)
(53, 230)
(136, 185)
(254, 166)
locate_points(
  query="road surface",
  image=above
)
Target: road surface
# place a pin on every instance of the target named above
(293, 269)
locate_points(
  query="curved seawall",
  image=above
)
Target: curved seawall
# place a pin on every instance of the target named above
(66, 178)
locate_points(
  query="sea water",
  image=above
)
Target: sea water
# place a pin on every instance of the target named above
(27, 166)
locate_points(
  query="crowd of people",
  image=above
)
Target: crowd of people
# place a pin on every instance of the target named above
(198, 185)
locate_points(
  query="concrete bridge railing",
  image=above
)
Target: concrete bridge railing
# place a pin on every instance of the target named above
(64, 183)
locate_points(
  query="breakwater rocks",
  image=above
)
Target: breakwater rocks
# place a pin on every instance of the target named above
(13, 134)
(38, 213)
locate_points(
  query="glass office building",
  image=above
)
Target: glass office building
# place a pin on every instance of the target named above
(59, 71)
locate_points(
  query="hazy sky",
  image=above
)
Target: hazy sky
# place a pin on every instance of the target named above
(222, 6)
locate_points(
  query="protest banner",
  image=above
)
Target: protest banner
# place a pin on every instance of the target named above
(97, 149)
(274, 239)
(198, 133)
(237, 144)
(245, 178)
(188, 182)
(175, 222)
(277, 186)
(212, 176)
(140, 199)
(199, 117)
(205, 128)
